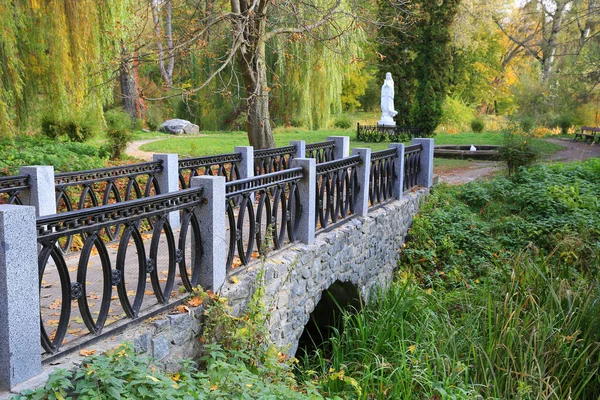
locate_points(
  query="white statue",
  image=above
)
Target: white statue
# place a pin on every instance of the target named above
(387, 102)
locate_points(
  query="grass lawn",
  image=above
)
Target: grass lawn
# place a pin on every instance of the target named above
(208, 143)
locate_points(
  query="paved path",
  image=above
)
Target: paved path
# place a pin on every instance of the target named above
(133, 148)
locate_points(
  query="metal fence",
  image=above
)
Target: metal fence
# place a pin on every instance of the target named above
(382, 176)
(412, 165)
(322, 152)
(337, 184)
(262, 214)
(142, 256)
(11, 188)
(226, 165)
(381, 133)
(267, 161)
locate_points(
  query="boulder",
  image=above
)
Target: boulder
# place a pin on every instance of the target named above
(178, 126)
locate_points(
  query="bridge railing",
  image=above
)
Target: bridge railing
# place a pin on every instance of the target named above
(133, 254)
(263, 214)
(11, 188)
(147, 266)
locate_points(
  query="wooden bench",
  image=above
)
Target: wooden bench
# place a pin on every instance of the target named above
(588, 134)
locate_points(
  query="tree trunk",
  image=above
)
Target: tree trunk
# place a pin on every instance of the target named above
(128, 87)
(251, 61)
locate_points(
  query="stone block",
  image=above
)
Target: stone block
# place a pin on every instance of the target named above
(141, 343)
(160, 347)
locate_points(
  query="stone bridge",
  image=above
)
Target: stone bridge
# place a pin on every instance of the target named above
(338, 256)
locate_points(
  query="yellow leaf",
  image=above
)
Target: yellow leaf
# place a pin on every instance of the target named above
(175, 377)
(86, 352)
(213, 387)
(412, 348)
(152, 378)
(235, 279)
(195, 301)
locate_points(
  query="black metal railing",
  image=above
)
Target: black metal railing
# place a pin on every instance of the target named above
(85, 189)
(263, 213)
(322, 152)
(11, 188)
(337, 187)
(382, 176)
(90, 276)
(267, 161)
(226, 165)
(382, 133)
(412, 165)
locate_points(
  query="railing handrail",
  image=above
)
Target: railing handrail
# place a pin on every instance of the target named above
(72, 222)
(274, 152)
(413, 148)
(121, 171)
(320, 145)
(197, 162)
(337, 164)
(247, 185)
(379, 155)
(12, 183)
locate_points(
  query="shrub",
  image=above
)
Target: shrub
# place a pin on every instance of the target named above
(76, 129)
(477, 125)
(527, 124)
(119, 131)
(518, 151)
(342, 122)
(51, 127)
(154, 118)
(456, 114)
(564, 122)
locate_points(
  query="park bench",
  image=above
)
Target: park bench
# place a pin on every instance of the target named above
(588, 134)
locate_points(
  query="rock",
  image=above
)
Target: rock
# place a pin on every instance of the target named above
(178, 126)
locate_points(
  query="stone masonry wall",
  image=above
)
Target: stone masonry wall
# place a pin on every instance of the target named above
(364, 251)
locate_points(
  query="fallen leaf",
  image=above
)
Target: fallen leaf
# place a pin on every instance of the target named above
(86, 352)
(195, 301)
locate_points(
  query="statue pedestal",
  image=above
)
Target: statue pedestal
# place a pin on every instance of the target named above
(386, 121)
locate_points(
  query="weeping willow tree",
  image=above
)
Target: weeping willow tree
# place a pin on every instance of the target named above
(57, 58)
(306, 78)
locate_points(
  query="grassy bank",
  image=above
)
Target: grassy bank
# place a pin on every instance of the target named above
(497, 297)
(219, 142)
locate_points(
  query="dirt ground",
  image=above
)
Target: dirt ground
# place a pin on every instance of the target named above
(573, 151)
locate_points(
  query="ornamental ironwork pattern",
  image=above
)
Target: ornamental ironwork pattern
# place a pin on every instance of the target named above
(84, 189)
(267, 161)
(382, 176)
(337, 187)
(11, 188)
(90, 277)
(226, 165)
(412, 165)
(322, 152)
(263, 213)
(379, 133)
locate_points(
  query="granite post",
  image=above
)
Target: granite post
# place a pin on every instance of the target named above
(168, 181)
(307, 189)
(398, 188)
(211, 216)
(363, 172)
(41, 193)
(246, 167)
(342, 146)
(300, 148)
(20, 356)
(425, 177)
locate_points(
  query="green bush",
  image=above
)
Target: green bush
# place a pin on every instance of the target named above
(154, 118)
(456, 115)
(119, 131)
(477, 125)
(342, 122)
(527, 124)
(564, 122)
(76, 130)
(51, 127)
(518, 151)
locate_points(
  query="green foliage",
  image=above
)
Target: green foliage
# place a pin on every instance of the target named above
(154, 118)
(477, 125)
(518, 151)
(76, 130)
(40, 150)
(354, 86)
(456, 114)
(342, 122)
(497, 297)
(564, 122)
(527, 123)
(119, 132)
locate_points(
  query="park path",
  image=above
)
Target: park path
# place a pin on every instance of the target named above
(133, 149)
(573, 151)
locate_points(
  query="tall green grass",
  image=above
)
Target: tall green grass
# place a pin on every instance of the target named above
(529, 335)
